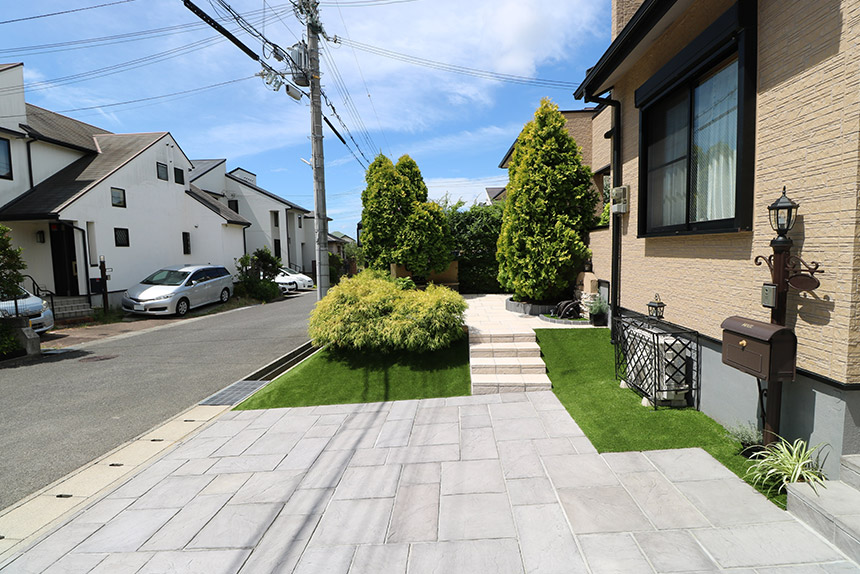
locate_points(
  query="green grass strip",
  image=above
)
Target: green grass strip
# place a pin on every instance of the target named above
(330, 378)
(581, 365)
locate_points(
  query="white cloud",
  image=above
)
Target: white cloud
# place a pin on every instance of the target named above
(469, 190)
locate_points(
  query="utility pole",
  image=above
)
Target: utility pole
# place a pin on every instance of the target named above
(310, 8)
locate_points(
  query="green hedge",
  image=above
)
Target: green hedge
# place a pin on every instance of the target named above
(370, 312)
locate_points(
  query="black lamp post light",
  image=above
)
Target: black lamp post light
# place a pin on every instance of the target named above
(786, 270)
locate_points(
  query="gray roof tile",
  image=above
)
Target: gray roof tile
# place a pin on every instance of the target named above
(49, 197)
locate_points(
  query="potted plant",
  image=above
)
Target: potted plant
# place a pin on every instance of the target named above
(598, 312)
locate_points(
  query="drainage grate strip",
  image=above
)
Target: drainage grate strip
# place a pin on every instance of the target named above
(235, 393)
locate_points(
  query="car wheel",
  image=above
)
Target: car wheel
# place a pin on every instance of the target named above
(292, 287)
(182, 307)
(225, 295)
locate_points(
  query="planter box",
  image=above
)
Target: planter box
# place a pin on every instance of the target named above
(527, 308)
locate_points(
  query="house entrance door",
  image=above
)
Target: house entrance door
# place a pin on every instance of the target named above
(64, 259)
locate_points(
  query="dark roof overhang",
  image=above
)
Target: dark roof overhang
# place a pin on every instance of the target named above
(648, 23)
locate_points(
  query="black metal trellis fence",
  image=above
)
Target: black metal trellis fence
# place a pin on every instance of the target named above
(659, 360)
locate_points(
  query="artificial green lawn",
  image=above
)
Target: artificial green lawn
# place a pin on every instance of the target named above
(581, 365)
(330, 378)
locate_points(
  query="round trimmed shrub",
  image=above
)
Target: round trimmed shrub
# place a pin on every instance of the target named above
(371, 312)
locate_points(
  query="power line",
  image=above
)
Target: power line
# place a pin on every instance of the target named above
(351, 109)
(510, 78)
(363, 81)
(116, 68)
(175, 95)
(38, 49)
(65, 12)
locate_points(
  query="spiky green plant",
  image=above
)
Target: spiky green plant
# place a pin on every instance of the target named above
(781, 463)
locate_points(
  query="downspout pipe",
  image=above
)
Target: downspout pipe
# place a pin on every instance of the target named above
(617, 179)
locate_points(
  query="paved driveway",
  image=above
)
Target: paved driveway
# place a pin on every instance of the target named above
(500, 484)
(65, 410)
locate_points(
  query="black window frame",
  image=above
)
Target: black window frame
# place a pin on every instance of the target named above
(233, 205)
(8, 153)
(186, 243)
(731, 35)
(158, 171)
(178, 176)
(276, 247)
(118, 233)
(124, 203)
(276, 219)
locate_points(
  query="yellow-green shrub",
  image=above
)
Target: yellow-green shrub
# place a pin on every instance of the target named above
(370, 312)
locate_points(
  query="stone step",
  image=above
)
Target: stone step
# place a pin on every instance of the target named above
(833, 511)
(850, 470)
(476, 336)
(504, 350)
(507, 365)
(491, 384)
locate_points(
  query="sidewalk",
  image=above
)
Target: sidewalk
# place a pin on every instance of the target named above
(503, 483)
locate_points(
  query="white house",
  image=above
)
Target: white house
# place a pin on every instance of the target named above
(72, 193)
(275, 222)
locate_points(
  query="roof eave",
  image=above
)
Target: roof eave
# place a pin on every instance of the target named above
(649, 14)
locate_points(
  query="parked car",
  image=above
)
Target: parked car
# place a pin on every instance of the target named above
(35, 308)
(289, 280)
(177, 289)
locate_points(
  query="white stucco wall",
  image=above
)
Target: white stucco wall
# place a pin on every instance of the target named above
(212, 180)
(157, 213)
(48, 159)
(12, 113)
(36, 255)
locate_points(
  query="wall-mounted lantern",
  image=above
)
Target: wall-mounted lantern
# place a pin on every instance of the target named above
(783, 214)
(655, 307)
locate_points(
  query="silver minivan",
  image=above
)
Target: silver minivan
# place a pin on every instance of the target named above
(179, 288)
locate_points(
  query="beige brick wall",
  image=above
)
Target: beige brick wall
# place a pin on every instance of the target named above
(578, 125)
(600, 243)
(808, 120)
(601, 148)
(622, 11)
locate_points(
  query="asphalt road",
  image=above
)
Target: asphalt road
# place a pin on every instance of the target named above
(61, 412)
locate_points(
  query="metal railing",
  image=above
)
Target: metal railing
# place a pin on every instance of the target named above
(39, 292)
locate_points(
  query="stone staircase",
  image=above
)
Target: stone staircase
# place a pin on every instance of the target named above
(71, 308)
(834, 511)
(506, 362)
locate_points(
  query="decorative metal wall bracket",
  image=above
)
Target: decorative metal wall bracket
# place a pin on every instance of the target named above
(799, 274)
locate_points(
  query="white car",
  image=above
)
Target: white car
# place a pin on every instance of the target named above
(177, 289)
(289, 280)
(35, 308)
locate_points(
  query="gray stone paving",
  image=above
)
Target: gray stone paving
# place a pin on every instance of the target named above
(488, 484)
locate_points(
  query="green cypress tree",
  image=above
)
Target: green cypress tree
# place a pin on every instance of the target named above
(416, 189)
(425, 242)
(385, 210)
(549, 209)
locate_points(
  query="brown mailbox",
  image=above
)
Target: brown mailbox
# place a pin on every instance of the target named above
(763, 350)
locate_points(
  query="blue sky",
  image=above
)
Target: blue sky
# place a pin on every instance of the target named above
(457, 127)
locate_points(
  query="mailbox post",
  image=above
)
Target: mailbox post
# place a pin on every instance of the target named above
(785, 270)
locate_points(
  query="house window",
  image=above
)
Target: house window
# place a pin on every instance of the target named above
(301, 217)
(186, 243)
(698, 133)
(277, 246)
(120, 237)
(178, 175)
(5, 159)
(233, 204)
(161, 170)
(692, 148)
(117, 197)
(275, 219)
